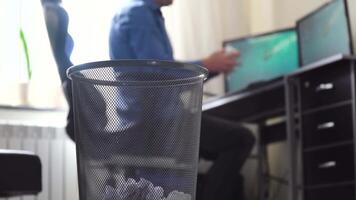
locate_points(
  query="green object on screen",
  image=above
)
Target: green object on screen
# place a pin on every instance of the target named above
(27, 56)
(263, 57)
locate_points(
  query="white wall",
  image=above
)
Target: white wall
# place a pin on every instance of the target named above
(352, 13)
(261, 15)
(289, 11)
(268, 15)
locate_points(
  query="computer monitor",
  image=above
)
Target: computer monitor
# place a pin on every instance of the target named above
(324, 33)
(263, 58)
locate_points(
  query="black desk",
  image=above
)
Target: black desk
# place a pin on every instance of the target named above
(258, 104)
(251, 105)
(269, 101)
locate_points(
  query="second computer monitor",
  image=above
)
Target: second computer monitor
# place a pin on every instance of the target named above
(263, 57)
(324, 32)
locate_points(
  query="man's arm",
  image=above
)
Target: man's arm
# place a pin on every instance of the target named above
(219, 62)
(149, 43)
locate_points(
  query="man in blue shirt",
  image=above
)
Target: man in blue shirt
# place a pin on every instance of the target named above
(138, 32)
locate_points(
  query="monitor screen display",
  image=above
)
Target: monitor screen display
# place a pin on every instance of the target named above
(263, 58)
(324, 33)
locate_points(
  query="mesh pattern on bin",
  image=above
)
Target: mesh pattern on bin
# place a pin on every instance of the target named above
(147, 128)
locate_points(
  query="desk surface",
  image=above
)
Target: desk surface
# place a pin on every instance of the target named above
(250, 105)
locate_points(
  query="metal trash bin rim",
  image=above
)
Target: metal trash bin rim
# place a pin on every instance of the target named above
(200, 72)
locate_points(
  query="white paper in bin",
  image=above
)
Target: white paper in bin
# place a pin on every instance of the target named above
(141, 190)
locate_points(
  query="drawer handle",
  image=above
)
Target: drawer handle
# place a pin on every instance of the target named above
(327, 165)
(324, 87)
(326, 125)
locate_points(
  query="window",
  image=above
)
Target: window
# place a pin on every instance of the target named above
(28, 72)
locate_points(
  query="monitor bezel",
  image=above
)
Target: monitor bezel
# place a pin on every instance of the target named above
(314, 12)
(225, 42)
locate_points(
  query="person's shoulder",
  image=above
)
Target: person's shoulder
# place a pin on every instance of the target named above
(137, 11)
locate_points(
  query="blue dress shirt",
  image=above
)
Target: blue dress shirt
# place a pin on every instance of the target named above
(138, 32)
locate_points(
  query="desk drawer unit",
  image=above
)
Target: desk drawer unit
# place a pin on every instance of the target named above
(333, 193)
(327, 127)
(332, 165)
(321, 125)
(323, 87)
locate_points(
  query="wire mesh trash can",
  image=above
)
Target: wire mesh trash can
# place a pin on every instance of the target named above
(137, 127)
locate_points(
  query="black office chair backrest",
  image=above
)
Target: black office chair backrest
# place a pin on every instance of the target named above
(62, 44)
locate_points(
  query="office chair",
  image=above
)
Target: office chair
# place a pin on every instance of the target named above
(57, 20)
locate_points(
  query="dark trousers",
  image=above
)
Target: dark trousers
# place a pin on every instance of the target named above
(228, 144)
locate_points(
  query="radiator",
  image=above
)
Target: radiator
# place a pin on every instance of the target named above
(57, 154)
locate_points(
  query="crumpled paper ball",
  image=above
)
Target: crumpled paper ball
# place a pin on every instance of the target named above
(141, 190)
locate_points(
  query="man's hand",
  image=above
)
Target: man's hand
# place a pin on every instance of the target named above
(221, 61)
